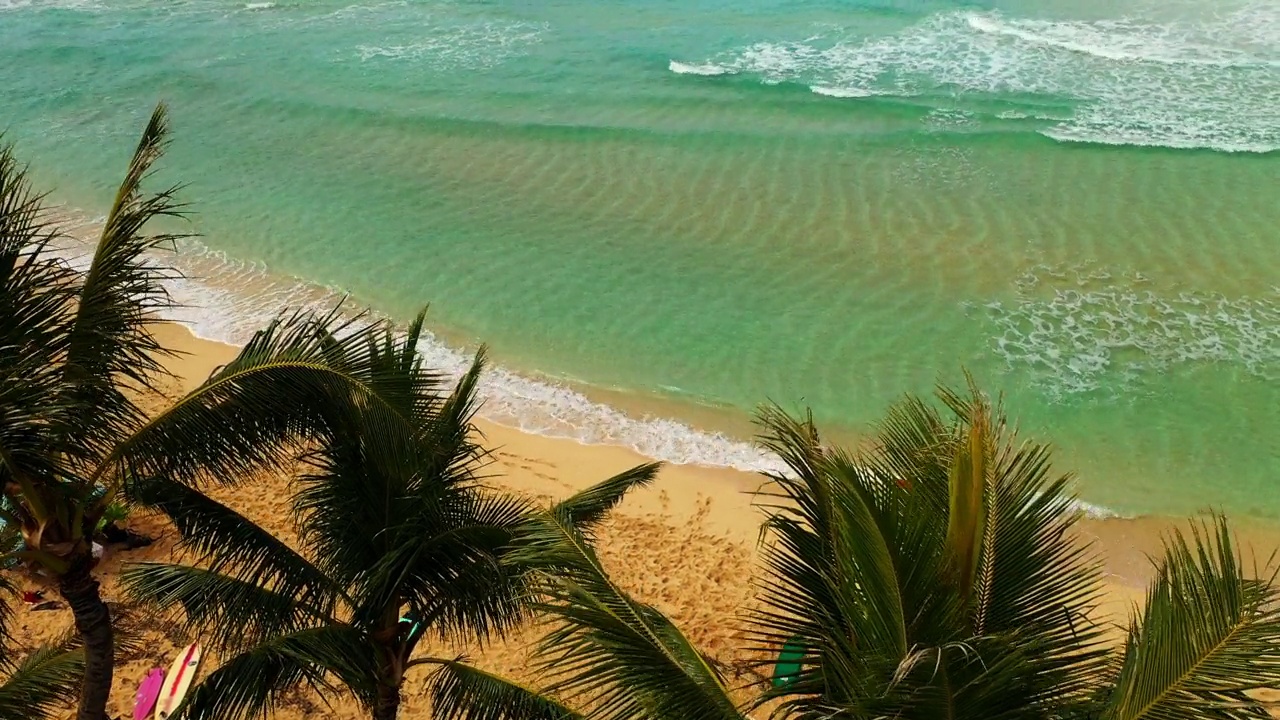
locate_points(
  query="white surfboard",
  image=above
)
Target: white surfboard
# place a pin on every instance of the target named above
(181, 672)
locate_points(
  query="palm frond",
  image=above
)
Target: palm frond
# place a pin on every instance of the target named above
(944, 540)
(251, 415)
(588, 507)
(399, 378)
(386, 507)
(460, 587)
(110, 346)
(37, 294)
(967, 519)
(606, 651)
(7, 591)
(853, 562)
(226, 542)
(1209, 634)
(464, 692)
(230, 612)
(47, 679)
(251, 684)
(1030, 579)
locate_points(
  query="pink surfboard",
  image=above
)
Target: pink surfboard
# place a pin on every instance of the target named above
(148, 691)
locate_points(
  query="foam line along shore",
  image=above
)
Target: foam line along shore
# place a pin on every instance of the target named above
(660, 212)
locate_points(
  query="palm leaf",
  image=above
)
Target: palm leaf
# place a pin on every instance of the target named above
(461, 588)
(588, 507)
(227, 542)
(1208, 635)
(232, 613)
(251, 684)
(47, 679)
(853, 563)
(109, 346)
(37, 294)
(252, 415)
(7, 590)
(606, 651)
(463, 692)
(395, 509)
(967, 518)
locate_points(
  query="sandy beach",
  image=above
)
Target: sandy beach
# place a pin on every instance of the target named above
(686, 544)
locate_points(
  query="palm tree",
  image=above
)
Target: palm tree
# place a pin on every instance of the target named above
(394, 522)
(76, 354)
(932, 576)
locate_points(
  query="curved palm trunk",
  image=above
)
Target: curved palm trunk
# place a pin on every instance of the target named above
(388, 704)
(93, 622)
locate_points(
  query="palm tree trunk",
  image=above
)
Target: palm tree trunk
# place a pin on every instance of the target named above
(93, 622)
(388, 703)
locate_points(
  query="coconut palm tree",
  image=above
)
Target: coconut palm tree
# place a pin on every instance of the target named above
(394, 522)
(932, 576)
(76, 355)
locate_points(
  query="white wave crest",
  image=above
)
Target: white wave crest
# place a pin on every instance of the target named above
(1209, 83)
(840, 92)
(227, 300)
(708, 69)
(49, 4)
(1116, 40)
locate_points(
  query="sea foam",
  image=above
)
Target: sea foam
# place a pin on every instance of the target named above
(840, 92)
(708, 69)
(227, 300)
(1210, 83)
(1071, 328)
(474, 46)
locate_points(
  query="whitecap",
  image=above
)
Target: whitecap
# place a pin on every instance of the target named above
(840, 92)
(708, 69)
(1208, 83)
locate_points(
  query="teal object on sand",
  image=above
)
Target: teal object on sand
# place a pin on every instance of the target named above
(413, 624)
(787, 671)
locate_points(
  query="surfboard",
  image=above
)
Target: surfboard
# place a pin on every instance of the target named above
(178, 680)
(788, 668)
(148, 691)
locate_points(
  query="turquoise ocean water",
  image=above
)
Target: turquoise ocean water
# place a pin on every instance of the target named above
(679, 209)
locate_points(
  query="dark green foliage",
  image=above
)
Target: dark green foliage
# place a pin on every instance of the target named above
(394, 520)
(460, 691)
(41, 683)
(933, 575)
(1210, 632)
(76, 352)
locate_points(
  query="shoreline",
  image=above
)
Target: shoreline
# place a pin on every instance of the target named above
(686, 544)
(222, 300)
(1127, 542)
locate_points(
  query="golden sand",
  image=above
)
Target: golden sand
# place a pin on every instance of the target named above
(685, 544)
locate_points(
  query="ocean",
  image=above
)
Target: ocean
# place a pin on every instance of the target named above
(661, 214)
